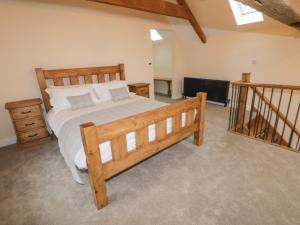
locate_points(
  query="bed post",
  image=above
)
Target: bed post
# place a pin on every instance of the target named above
(43, 86)
(122, 71)
(95, 168)
(199, 134)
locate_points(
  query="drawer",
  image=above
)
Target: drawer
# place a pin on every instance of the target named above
(22, 113)
(142, 90)
(28, 124)
(32, 135)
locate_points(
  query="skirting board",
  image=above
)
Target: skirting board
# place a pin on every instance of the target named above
(8, 141)
(176, 97)
(215, 103)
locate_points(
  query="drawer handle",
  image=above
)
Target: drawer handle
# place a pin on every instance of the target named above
(29, 124)
(26, 112)
(34, 135)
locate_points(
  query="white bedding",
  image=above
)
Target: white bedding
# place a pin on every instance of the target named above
(65, 124)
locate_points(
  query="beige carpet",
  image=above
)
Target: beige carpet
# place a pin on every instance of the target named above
(230, 180)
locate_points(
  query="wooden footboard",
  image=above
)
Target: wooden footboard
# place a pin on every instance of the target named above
(116, 131)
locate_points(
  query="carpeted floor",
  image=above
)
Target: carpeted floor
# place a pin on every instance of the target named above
(230, 180)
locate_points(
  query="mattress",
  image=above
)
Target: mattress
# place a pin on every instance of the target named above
(66, 126)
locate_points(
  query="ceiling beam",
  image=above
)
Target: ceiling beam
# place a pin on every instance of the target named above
(285, 11)
(193, 20)
(180, 10)
(154, 6)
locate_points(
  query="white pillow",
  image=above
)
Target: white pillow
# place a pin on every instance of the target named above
(102, 89)
(119, 94)
(81, 101)
(59, 94)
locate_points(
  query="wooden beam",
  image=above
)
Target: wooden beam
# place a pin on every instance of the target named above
(180, 10)
(154, 6)
(193, 21)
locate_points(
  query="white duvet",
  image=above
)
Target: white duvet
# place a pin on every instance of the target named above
(66, 126)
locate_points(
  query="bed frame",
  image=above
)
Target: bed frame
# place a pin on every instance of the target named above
(116, 131)
(76, 76)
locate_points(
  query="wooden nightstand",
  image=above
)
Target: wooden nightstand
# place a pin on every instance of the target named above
(141, 89)
(29, 122)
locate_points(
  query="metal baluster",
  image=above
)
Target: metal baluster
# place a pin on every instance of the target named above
(237, 106)
(286, 117)
(277, 117)
(251, 111)
(259, 111)
(266, 132)
(245, 111)
(257, 116)
(264, 118)
(234, 106)
(231, 108)
(294, 127)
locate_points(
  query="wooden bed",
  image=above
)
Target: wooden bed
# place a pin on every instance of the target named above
(116, 131)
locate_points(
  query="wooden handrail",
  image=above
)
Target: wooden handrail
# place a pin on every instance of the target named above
(280, 114)
(239, 99)
(275, 86)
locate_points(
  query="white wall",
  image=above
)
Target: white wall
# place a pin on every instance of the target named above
(163, 60)
(74, 33)
(270, 59)
(228, 54)
(163, 55)
(67, 34)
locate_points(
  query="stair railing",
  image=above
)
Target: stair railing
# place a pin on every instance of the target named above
(267, 112)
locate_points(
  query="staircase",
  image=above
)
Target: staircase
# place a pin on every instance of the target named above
(266, 112)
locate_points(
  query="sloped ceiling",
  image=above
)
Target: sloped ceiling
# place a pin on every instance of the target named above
(209, 13)
(218, 14)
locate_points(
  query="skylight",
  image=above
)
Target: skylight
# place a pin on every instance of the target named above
(244, 14)
(155, 36)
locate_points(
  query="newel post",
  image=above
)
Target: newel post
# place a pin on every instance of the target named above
(246, 77)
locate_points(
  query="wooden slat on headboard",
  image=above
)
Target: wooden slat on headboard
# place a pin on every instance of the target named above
(74, 74)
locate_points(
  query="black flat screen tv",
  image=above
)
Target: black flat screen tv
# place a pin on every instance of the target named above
(217, 90)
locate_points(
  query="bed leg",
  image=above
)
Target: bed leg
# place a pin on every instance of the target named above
(200, 119)
(95, 168)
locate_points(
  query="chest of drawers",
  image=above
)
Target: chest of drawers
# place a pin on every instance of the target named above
(141, 89)
(29, 123)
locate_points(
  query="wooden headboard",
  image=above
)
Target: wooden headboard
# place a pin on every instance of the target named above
(75, 76)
